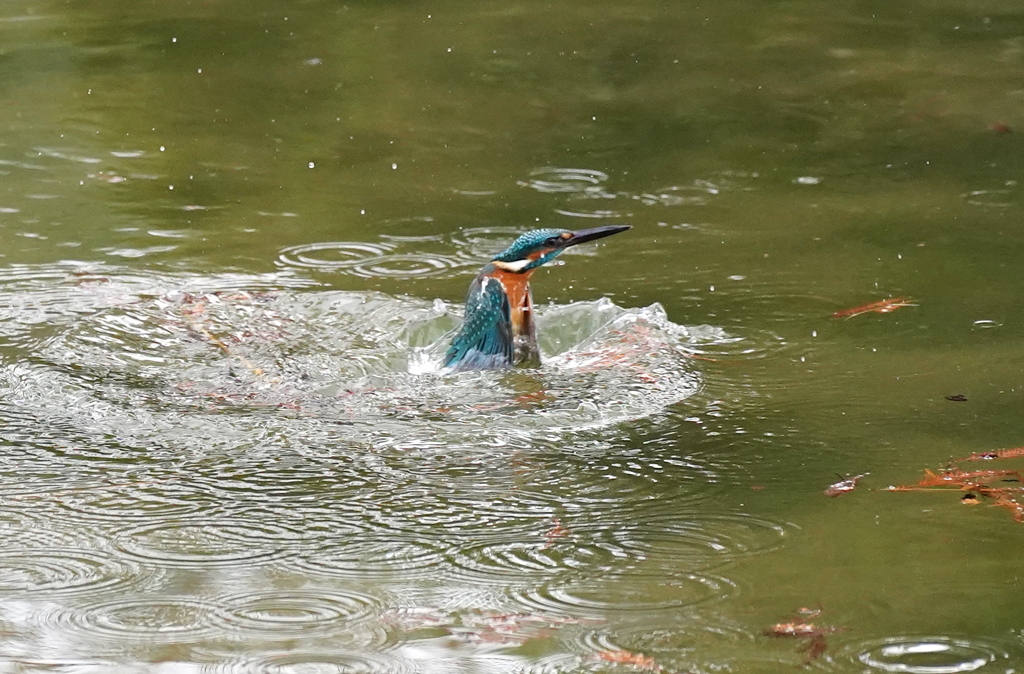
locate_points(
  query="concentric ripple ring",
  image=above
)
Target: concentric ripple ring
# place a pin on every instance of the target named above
(623, 594)
(363, 557)
(561, 180)
(407, 265)
(204, 543)
(928, 655)
(338, 254)
(163, 619)
(286, 613)
(59, 570)
(324, 662)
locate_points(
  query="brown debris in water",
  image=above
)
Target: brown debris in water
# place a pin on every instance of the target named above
(1000, 488)
(555, 532)
(799, 628)
(622, 657)
(880, 307)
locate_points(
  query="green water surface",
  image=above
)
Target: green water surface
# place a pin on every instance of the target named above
(778, 162)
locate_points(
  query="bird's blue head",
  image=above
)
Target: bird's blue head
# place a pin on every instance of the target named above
(540, 246)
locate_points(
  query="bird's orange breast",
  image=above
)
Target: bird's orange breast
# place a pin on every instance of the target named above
(517, 288)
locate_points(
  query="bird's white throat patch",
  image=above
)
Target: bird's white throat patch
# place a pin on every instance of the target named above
(515, 267)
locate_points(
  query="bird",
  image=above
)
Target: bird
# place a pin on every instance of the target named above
(498, 330)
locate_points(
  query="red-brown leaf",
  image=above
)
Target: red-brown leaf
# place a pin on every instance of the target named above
(629, 658)
(879, 307)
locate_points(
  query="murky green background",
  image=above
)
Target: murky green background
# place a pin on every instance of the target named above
(223, 229)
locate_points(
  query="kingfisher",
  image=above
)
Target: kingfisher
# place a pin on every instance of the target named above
(498, 330)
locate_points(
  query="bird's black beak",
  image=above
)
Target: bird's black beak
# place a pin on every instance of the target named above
(592, 234)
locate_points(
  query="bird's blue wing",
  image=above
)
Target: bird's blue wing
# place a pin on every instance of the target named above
(485, 340)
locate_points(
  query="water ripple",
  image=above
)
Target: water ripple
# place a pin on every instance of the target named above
(481, 243)
(419, 503)
(167, 619)
(33, 530)
(587, 185)
(694, 541)
(330, 255)
(599, 214)
(143, 501)
(625, 592)
(61, 570)
(926, 655)
(370, 260)
(994, 198)
(553, 180)
(204, 543)
(285, 614)
(362, 556)
(699, 540)
(489, 562)
(409, 265)
(333, 661)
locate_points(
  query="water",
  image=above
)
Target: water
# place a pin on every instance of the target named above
(235, 238)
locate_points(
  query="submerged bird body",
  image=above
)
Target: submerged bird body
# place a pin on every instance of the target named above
(498, 330)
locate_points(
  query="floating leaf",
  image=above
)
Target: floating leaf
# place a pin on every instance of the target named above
(800, 629)
(879, 307)
(638, 660)
(989, 484)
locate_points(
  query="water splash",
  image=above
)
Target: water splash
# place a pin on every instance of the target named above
(127, 358)
(294, 446)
